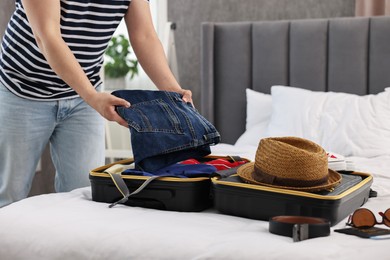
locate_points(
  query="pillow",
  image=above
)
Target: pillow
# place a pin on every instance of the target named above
(258, 108)
(258, 114)
(343, 123)
(252, 136)
(295, 112)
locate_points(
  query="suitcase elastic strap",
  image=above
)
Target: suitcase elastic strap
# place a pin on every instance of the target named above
(122, 187)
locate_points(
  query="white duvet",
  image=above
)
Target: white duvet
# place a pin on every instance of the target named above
(72, 226)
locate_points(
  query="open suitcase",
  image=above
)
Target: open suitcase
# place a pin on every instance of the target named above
(164, 193)
(234, 197)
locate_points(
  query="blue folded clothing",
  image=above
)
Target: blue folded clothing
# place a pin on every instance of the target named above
(178, 170)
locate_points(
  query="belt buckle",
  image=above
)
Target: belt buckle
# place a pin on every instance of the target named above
(300, 232)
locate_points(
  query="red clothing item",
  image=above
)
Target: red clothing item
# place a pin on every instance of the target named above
(219, 164)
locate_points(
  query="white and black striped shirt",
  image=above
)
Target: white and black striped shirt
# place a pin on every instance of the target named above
(86, 27)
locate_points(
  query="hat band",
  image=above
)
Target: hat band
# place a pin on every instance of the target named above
(260, 176)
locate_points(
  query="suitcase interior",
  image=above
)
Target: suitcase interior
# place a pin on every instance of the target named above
(166, 193)
(234, 197)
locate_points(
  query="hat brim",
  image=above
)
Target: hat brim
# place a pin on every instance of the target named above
(245, 172)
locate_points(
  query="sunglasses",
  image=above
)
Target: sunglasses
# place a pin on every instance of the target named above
(364, 218)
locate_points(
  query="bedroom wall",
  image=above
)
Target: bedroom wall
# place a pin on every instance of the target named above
(6, 9)
(188, 16)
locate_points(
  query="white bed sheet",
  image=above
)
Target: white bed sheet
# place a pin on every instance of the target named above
(72, 226)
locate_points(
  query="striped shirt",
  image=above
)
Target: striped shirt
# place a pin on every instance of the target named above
(86, 26)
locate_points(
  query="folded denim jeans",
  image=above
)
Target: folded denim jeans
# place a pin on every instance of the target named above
(164, 129)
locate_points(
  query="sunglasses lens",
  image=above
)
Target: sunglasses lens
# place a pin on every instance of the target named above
(386, 219)
(364, 218)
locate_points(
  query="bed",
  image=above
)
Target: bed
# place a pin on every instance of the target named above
(323, 79)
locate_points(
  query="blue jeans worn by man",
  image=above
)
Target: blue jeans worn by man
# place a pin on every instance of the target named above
(74, 130)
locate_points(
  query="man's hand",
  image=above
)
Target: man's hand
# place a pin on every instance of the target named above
(187, 96)
(105, 103)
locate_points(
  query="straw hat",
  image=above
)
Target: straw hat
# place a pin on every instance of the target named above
(291, 163)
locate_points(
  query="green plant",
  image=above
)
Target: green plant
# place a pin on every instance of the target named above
(119, 63)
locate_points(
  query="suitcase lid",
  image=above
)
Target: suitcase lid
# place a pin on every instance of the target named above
(366, 179)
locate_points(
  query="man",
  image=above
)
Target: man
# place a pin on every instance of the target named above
(52, 53)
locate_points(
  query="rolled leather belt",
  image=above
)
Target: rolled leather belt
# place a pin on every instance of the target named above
(299, 227)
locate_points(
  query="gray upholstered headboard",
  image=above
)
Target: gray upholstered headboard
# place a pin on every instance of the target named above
(339, 54)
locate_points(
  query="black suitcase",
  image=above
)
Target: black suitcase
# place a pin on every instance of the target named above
(234, 197)
(164, 193)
